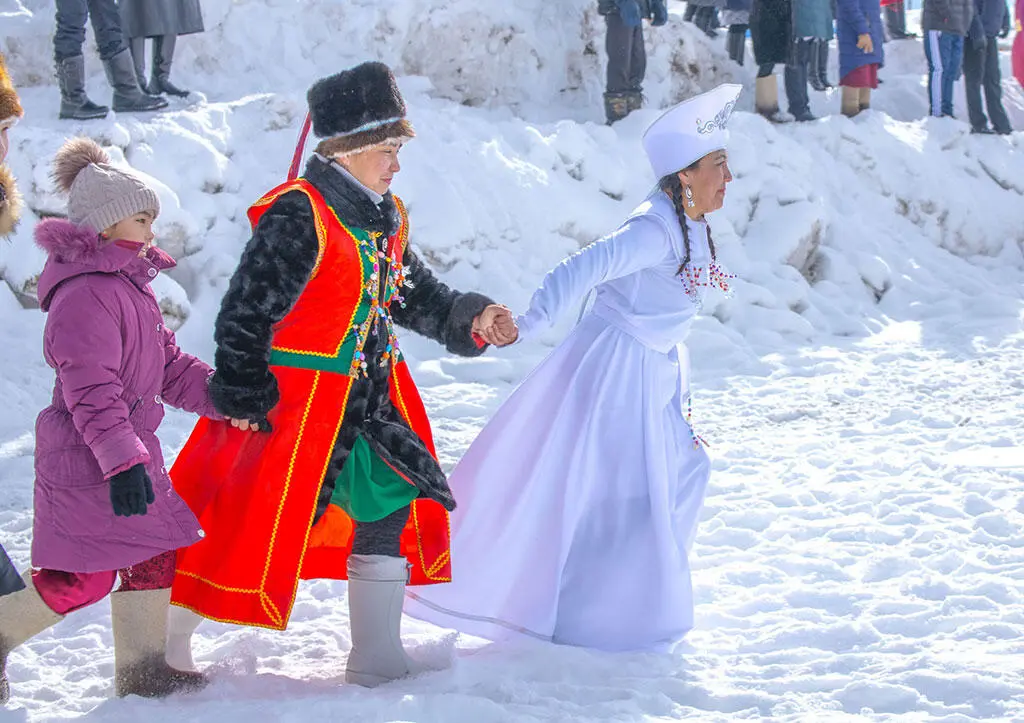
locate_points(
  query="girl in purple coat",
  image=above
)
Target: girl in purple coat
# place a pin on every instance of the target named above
(104, 506)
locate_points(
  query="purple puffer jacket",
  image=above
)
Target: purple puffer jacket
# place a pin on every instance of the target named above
(116, 364)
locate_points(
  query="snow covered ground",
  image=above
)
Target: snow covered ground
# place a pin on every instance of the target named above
(862, 551)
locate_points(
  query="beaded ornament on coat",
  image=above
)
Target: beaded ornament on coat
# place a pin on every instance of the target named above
(379, 311)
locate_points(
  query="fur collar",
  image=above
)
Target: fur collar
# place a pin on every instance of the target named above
(67, 242)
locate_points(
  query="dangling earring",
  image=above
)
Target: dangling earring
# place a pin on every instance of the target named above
(689, 196)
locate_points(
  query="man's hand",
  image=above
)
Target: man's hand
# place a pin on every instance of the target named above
(496, 326)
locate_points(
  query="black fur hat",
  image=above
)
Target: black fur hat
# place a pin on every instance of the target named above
(358, 108)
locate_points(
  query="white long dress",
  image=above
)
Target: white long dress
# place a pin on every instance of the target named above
(579, 501)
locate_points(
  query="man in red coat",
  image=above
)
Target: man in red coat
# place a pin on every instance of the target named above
(340, 479)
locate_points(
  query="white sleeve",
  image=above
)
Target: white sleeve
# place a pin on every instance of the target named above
(639, 244)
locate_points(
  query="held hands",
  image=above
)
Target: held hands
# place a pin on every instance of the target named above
(864, 43)
(496, 326)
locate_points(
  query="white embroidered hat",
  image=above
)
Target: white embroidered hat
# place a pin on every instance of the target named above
(690, 130)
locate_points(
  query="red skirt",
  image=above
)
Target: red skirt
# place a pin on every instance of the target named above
(866, 76)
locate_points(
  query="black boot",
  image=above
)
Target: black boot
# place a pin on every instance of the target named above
(705, 20)
(822, 51)
(163, 54)
(813, 69)
(690, 11)
(736, 43)
(128, 97)
(896, 22)
(616, 106)
(74, 103)
(817, 66)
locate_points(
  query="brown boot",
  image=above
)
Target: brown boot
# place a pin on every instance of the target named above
(23, 615)
(140, 641)
(766, 96)
(865, 98)
(849, 103)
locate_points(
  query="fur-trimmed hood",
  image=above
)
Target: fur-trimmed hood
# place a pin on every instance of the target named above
(75, 250)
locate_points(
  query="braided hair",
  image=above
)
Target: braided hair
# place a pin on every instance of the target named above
(673, 188)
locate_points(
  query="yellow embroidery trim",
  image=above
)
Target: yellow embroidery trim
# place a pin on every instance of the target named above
(428, 570)
(321, 228)
(225, 620)
(438, 564)
(287, 485)
(312, 512)
(211, 583)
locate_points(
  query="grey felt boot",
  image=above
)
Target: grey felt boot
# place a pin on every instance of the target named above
(23, 615)
(74, 103)
(140, 647)
(376, 590)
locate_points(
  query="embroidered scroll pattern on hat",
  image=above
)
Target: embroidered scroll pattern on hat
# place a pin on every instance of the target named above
(718, 122)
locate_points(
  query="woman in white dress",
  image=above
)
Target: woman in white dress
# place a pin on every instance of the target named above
(579, 501)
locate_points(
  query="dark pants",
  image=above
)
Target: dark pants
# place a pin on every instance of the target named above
(981, 70)
(795, 77)
(627, 57)
(381, 537)
(945, 52)
(69, 36)
(706, 19)
(896, 21)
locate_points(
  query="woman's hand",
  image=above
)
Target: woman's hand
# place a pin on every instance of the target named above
(496, 326)
(865, 44)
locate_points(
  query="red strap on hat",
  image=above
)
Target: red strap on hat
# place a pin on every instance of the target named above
(293, 171)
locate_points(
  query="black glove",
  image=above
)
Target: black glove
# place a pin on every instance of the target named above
(131, 492)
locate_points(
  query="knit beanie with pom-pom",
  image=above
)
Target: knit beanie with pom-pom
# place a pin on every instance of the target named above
(99, 194)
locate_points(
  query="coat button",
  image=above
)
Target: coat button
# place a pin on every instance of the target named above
(158, 400)
(152, 273)
(159, 328)
(201, 533)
